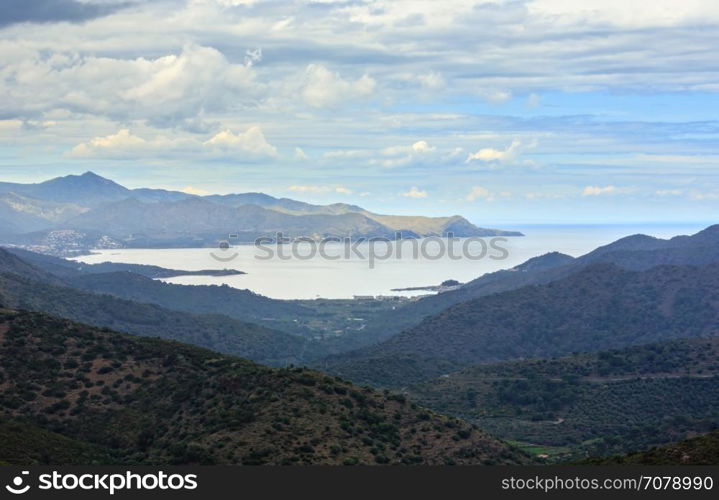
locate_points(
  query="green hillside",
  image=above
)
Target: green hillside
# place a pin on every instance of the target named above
(149, 401)
(601, 307)
(700, 450)
(590, 404)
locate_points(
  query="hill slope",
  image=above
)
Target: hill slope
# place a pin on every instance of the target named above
(599, 308)
(157, 402)
(589, 404)
(701, 450)
(216, 332)
(637, 252)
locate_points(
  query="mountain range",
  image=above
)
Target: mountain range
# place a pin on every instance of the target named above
(600, 307)
(75, 212)
(607, 353)
(636, 252)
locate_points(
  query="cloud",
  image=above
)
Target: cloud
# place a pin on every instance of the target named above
(533, 100)
(323, 88)
(422, 147)
(480, 193)
(121, 142)
(300, 154)
(391, 162)
(53, 11)
(164, 91)
(346, 153)
(319, 189)
(507, 155)
(252, 57)
(431, 81)
(496, 96)
(194, 190)
(419, 147)
(669, 192)
(598, 190)
(125, 144)
(252, 141)
(400, 156)
(415, 193)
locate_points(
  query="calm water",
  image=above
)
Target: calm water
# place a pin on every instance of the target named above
(303, 278)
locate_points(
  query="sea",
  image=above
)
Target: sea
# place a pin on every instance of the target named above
(351, 269)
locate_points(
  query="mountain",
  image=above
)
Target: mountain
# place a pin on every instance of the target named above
(700, 450)
(12, 264)
(22, 443)
(600, 307)
(138, 283)
(203, 222)
(216, 332)
(145, 401)
(88, 189)
(98, 211)
(424, 226)
(25, 286)
(240, 304)
(64, 268)
(594, 404)
(637, 252)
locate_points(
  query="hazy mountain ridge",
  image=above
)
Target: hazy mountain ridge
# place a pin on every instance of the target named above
(149, 401)
(88, 203)
(637, 252)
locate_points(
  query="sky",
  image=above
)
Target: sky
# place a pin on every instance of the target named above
(506, 112)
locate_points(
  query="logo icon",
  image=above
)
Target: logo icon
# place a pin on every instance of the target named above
(225, 246)
(17, 488)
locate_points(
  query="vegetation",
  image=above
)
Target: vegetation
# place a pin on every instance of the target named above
(601, 307)
(590, 404)
(220, 333)
(149, 401)
(700, 450)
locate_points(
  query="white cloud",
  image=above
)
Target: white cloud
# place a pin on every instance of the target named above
(317, 189)
(125, 144)
(347, 153)
(496, 96)
(168, 88)
(323, 88)
(432, 81)
(121, 142)
(300, 154)
(251, 141)
(422, 147)
(598, 190)
(194, 190)
(414, 192)
(669, 192)
(480, 193)
(534, 101)
(419, 147)
(507, 155)
(392, 162)
(252, 57)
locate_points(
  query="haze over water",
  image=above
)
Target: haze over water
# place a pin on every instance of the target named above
(345, 278)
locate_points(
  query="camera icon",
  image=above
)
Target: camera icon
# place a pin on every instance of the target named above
(17, 488)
